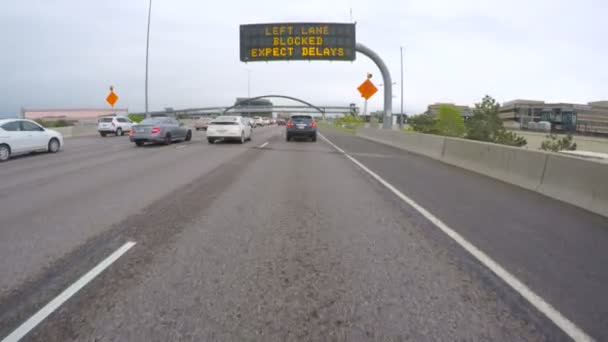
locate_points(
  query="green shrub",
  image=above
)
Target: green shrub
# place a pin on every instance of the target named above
(349, 121)
(136, 118)
(423, 123)
(486, 125)
(509, 138)
(554, 144)
(450, 123)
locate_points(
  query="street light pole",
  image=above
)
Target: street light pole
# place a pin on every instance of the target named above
(248, 83)
(401, 116)
(147, 50)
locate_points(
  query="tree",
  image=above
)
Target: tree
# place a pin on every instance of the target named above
(423, 123)
(486, 125)
(450, 123)
(555, 144)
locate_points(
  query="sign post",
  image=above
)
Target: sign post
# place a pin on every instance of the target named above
(112, 98)
(367, 89)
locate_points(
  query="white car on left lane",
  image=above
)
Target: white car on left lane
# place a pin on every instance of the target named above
(229, 128)
(20, 136)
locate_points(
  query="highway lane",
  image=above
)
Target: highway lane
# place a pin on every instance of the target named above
(50, 204)
(288, 242)
(555, 248)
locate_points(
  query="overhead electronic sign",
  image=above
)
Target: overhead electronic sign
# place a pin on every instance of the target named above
(297, 41)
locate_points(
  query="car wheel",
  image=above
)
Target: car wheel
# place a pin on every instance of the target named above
(53, 146)
(119, 131)
(210, 140)
(139, 143)
(5, 152)
(189, 136)
(314, 138)
(102, 134)
(242, 141)
(167, 139)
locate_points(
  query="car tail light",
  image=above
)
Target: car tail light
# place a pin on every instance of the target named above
(313, 124)
(155, 130)
(289, 124)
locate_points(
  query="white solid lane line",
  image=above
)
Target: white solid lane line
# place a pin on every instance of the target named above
(264, 145)
(48, 309)
(538, 302)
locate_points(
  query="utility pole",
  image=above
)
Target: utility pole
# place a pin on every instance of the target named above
(401, 116)
(147, 51)
(248, 83)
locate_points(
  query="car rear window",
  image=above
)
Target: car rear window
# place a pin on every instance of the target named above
(226, 120)
(105, 120)
(301, 118)
(152, 121)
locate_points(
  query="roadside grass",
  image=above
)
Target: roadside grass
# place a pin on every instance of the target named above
(349, 129)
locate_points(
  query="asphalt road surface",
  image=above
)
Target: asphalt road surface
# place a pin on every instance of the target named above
(291, 241)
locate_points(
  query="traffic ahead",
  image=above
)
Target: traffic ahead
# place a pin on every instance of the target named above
(277, 240)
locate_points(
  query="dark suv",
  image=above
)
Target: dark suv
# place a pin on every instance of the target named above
(301, 126)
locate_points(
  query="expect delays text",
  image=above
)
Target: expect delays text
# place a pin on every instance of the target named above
(289, 42)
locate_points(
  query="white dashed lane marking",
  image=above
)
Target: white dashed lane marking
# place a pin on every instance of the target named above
(48, 309)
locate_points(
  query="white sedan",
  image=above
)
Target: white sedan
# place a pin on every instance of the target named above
(229, 128)
(20, 136)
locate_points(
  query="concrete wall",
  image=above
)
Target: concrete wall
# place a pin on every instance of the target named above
(425, 144)
(76, 131)
(580, 182)
(65, 131)
(577, 181)
(510, 164)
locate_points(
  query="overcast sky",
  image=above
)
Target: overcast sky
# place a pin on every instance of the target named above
(66, 53)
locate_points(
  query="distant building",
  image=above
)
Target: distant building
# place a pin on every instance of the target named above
(250, 105)
(81, 115)
(591, 118)
(433, 109)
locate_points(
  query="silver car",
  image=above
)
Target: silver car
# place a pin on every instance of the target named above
(159, 130)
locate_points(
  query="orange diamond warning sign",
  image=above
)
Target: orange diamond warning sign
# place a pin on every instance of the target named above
(112, 98)
(367, 89)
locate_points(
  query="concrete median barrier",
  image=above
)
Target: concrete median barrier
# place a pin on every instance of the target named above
(79, 131)
(65, 131)
(580, 182)
(424, 144)
(76, 131)
(509, 164)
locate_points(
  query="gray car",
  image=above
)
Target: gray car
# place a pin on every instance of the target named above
(301, 126)
(159, 130)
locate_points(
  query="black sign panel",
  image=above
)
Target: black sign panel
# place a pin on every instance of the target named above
(297, 41)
